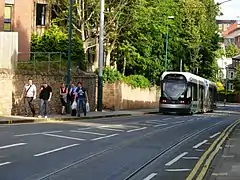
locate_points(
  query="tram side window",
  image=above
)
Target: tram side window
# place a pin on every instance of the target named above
(189, 91)
(195, 91)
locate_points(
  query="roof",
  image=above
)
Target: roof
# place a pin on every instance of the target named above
(236, 57)
(189, 76)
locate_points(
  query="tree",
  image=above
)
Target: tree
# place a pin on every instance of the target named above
(232, 50)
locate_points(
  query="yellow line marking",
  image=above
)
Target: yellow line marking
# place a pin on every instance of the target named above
(204, 156)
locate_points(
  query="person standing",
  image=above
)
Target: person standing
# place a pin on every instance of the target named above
(45, 96)
(63, 97)
(29, 93)
(71, 93)
(82, 98)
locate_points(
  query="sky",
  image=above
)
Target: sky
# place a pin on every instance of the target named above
(230, 10)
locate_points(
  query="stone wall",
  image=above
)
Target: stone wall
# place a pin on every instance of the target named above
(54, 80)
(6, 92)
(121, 96)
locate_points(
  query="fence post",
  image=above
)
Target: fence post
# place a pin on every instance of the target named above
(34, 62)
(59, 67)
(49, 60)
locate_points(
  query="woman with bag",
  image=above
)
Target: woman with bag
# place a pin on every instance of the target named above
(63, 97)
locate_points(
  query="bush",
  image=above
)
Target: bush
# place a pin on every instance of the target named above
(137, 81)
(56, 40)
(111, 75)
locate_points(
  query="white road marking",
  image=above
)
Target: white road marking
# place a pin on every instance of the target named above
(148, 122)
(193, 119)
(199, 150)
(65, 137)
(160, 125)
(178, 122)
(199, 144)
(214, 135)
(110, 129)
(32, 134)
(230, 156)
(86, 128)
(139, 129)
(176, 159)
(12, 145)
(140, 124)
(229, 146)
(190, 157)
(104, 137)
(150, 176)
(55, 150)
(5, 163)
(177, 170)
(87, 132)
(156, 121)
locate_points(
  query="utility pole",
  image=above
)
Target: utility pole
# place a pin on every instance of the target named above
(166, 50)
(100, 63)
(69, 49)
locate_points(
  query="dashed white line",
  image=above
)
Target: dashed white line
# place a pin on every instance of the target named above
(155, 121)
(199, 150)
(64, 137)
(86, 128)
(176, 159)
(32, 134)
(160, 125)
(178, 122)
(5, 163)
(150, 176)
(199, 144)
(139, 129)
(12, 145)
(190, 157)
(110, 129)
(55, 150)
(88, 132)
(229, 146)
(104, 137)
(214, 135)
(177, 170)
(230, 156)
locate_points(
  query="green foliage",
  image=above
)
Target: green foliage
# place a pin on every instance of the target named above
(232, 50)
(236, 81)
(55, 39)
(111, 75)
(137, 81)
(135, 35)
(220, 86)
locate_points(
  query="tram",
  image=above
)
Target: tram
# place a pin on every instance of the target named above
(186, 93)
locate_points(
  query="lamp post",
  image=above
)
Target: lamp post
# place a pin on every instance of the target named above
(69, 49)
(166, 50)
(100, 63)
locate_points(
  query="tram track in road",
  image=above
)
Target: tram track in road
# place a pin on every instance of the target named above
(95, 155)
(170, 148)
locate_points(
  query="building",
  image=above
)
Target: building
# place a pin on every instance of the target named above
(232, 34)
(223, 25)
(24, 17)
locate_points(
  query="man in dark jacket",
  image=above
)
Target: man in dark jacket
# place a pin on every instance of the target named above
(45, 96)
(82, 98)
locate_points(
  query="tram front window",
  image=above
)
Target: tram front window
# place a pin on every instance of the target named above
(174, 89)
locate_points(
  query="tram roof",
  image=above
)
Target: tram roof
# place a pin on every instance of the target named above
(189, 76)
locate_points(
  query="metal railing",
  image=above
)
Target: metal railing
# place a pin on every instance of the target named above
(41, 61)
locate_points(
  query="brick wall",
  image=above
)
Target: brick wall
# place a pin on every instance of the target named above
(6, 92)
(54, 81)
(121, 96)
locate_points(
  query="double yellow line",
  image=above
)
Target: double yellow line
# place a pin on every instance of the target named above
(208, 156)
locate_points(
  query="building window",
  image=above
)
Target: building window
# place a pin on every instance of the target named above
(231, 75)
(8, 17)
(40, 14)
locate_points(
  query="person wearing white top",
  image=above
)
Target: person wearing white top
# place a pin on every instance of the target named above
(29, 94)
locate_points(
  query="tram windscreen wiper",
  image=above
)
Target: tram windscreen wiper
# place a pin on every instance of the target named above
(167, 96)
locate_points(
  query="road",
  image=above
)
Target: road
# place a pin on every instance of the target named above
(139, 148)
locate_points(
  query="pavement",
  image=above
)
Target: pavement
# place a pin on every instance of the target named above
(226, 165)
(141, 147)
(90, 115)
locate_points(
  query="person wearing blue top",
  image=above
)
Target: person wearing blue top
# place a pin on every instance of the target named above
(71, 93)
(82, 98)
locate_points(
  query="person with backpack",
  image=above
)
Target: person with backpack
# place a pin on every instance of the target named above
(81, 98)
(29, 95)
